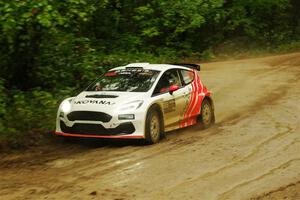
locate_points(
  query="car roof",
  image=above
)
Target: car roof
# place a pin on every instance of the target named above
(158, 67)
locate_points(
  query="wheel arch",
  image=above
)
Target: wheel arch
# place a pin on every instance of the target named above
(158, 108)
(210, 100)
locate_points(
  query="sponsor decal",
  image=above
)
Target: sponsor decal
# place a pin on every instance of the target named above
(129, 71)
(100, 102)
(169, 106)
(187, 98)
(111, 73)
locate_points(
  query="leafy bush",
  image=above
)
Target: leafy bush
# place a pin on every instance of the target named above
(3, 102)
(288, 47)
(27, 114)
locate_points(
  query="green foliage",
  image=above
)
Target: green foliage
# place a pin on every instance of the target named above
(166, 22)
(3, 102)
(25, 20)
(288, 47)
(263, 21)
(23, 113)
(208, 54)
(25, 25)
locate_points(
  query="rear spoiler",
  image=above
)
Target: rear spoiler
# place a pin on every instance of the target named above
(189, 65)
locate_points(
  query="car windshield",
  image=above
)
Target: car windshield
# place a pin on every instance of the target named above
(125, 80)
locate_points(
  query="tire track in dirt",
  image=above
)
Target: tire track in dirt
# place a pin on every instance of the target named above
(278, 190)
(255, 151)
(283, 166)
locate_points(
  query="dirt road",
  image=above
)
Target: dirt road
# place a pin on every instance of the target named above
(253, 151)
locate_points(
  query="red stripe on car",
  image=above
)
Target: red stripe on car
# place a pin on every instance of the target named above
(194, 106)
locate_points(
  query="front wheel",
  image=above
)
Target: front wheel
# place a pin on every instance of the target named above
(153, 127)
(207, 115)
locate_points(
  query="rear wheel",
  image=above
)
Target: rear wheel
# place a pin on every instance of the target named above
(207, 114)
(153, 127)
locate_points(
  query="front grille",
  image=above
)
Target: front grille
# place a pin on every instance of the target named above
(98, 129)
(89, 116)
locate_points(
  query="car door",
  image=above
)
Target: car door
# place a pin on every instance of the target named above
(192, 88)
(172, 103)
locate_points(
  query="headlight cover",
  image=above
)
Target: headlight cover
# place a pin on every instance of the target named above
(66, 106)
(129, 107)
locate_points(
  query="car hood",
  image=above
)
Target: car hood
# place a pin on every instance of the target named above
(104, 101)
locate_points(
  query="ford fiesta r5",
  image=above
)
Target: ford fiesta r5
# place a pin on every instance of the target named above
(138, 101)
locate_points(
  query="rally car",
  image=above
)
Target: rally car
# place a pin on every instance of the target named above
(138, 101)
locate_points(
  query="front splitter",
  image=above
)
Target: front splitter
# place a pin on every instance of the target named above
(101, 136)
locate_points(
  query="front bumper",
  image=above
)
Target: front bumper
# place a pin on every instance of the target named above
(98, 129)
(94, 128)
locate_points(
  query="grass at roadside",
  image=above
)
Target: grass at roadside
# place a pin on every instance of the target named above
(242, 50)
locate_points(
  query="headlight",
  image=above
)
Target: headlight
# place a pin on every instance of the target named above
(126, 116)
(66, 106)
(129, 107)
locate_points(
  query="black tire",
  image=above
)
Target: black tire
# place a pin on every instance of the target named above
(207, 117)
(153, 129)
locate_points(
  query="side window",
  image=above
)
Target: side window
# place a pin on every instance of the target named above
(170, 77)
(188, 76)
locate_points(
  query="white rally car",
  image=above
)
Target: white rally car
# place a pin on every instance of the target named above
(139, 100)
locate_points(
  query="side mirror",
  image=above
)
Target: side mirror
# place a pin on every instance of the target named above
(173, 88)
